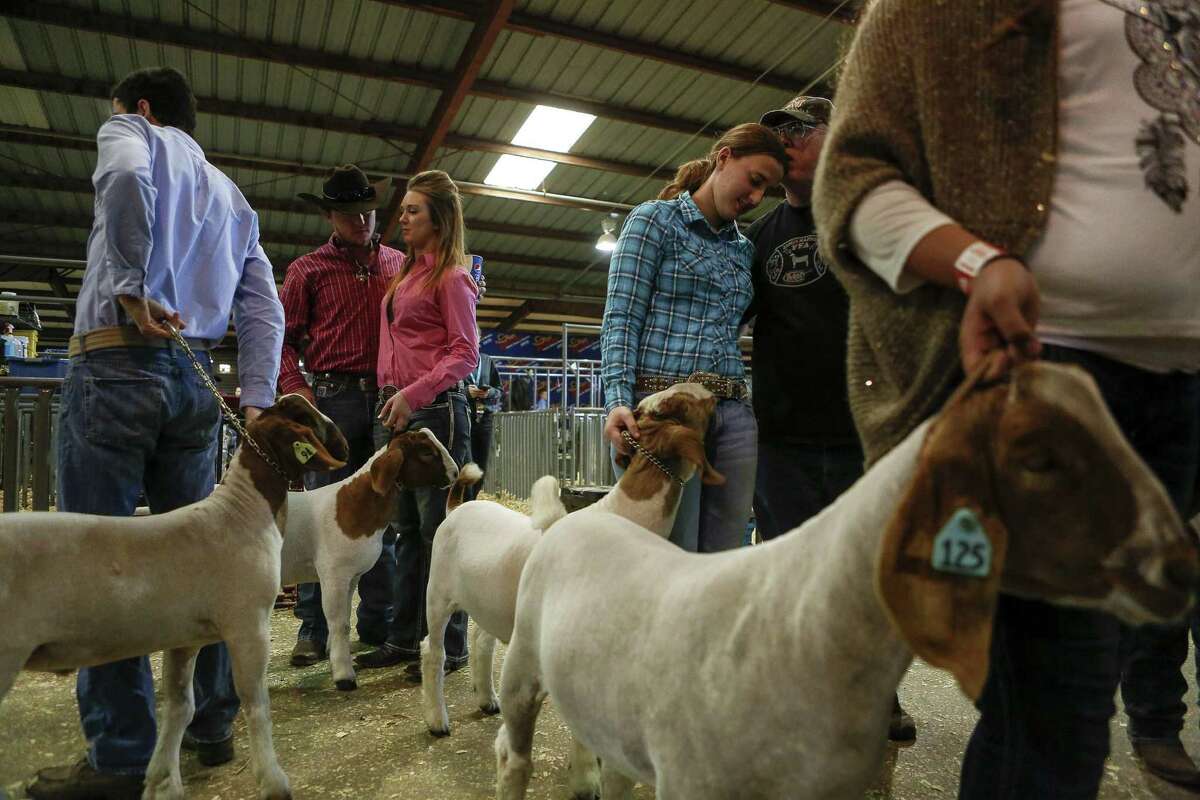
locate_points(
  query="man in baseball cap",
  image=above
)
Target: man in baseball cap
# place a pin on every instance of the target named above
(808, 449)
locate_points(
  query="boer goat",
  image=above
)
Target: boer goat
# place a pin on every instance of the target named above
(481, 547)
(77, 590)
(334, 534)
(669, 666)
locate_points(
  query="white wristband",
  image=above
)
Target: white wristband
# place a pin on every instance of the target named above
(972, 260)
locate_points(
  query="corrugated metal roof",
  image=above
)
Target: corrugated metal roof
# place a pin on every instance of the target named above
(751, 34)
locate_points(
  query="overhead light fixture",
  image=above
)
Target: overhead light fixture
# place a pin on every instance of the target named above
(224, 368)
(608, 240)
(547, 128)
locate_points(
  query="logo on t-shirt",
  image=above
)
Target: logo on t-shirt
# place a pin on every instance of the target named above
(796, 262)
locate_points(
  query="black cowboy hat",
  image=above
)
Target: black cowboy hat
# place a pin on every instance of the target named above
(348, 190)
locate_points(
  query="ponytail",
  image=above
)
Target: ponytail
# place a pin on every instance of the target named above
(749, 139)
(689, 177)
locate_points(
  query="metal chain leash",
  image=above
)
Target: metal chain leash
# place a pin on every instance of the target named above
(653, 459)
(225, 409)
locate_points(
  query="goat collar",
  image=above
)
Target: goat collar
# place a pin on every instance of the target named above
(653, 459)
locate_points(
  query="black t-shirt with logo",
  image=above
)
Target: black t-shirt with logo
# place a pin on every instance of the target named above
(799, 359)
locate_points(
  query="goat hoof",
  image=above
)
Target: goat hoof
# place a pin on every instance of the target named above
(439, 732)
(491, 709)
(346, 684)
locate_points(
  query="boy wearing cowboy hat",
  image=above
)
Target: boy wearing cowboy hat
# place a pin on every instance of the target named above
(331, 299)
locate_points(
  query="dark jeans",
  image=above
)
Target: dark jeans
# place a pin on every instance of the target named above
(353, 411)
(1043, 730)
(481, 447)
(419, 513)
(134, 420)
(795, 481)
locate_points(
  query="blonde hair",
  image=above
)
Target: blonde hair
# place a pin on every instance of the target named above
(445, 212)
(749, 139)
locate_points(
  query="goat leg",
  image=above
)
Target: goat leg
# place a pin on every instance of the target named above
(162, 775)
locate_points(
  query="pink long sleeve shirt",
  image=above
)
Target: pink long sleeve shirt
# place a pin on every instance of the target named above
(429, 343)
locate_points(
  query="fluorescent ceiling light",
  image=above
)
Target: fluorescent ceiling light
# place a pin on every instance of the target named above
(550, 128)
(547, 128)
(518, 172)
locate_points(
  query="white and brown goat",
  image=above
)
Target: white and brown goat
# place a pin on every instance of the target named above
(481, 547)
(335, 534)
(77, 590)
(668, 665)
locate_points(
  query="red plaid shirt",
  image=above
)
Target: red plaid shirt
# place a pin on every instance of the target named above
(326, 302)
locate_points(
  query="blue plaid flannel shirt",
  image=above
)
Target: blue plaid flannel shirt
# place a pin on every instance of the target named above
(676, 293)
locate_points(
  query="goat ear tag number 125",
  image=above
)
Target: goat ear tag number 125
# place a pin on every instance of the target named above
(962, 546)
(304, 451)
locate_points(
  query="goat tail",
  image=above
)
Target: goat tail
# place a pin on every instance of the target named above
(468, 476)
(545, 504)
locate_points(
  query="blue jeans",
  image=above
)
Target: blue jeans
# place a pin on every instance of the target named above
(713, 518)
(353, 411)
(134, 420)
(1043, 730)
(796, 481)
(418, 515)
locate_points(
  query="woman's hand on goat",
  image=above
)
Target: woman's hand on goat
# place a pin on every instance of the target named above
(1001, 315)
(620, 419)
(395, 413)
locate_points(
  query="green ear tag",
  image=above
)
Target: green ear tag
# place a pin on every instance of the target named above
(304, 451)
(962, 546)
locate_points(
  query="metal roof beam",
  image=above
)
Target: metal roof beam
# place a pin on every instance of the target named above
(479, 45)
(84, 87)
(25, 216)
(517, 316)
(57, 183)
(34, 136)
(37, 260)
(82, 19)
(544, 26)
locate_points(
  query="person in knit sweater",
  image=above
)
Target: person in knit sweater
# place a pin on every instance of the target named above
(1011, 175)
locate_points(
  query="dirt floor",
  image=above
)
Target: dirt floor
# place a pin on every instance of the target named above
(372, 743)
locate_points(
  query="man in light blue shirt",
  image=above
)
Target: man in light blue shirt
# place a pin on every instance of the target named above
(174, 241)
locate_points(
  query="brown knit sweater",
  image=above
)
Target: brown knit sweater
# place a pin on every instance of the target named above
(957, 98)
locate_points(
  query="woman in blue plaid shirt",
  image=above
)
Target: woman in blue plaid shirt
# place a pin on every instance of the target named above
(678, 283)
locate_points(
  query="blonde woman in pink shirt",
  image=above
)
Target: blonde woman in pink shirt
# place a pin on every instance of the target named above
(427, 347)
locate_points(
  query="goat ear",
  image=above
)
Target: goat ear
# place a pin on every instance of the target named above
(685, 443)
(304, 449)
(943, 552)
(385, 469)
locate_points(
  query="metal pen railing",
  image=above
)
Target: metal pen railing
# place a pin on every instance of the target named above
(525, 446)
(28, 436)
(29, 442)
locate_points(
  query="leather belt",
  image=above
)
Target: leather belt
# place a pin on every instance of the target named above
(722, 388)
(120, 336)
(364, 381)
(386, 392)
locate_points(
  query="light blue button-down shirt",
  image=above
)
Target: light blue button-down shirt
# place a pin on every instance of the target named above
(172, 227)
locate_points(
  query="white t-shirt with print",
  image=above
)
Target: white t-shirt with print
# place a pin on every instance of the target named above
(1118, 265)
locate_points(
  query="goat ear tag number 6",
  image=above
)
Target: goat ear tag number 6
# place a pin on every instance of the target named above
(304, 451)
(962, 546)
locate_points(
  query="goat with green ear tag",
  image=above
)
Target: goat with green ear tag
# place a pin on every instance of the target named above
(110, 588)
